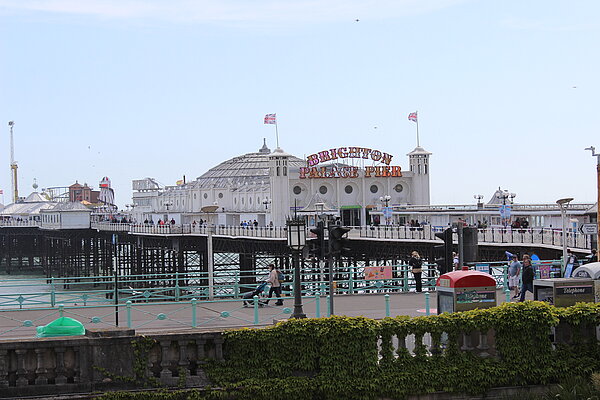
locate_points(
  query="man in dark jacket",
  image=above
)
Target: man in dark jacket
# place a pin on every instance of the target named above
(526, 278)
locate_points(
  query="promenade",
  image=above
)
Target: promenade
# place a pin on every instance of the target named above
(155, 318)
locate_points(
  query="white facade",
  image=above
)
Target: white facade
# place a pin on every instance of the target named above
(70, 215)
(268, 187)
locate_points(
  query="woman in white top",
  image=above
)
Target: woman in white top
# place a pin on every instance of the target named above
(275, 284)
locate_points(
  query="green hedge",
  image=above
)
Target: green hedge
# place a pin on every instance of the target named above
(353, 358)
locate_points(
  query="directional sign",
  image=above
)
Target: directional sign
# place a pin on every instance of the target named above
(589, 229)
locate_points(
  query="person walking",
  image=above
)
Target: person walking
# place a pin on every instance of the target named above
(416, 263)
(514, 270)
(275, 285)
(527, 278)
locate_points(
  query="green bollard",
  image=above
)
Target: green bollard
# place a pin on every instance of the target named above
(328, 307)
(507, 294)
(236, 286)
(128, 313)
(405, 279)
(427, 306)
(52, 293)
(194, 303)
(318, 305)
(505, 277)
(61, 310)
(176, 286)
(255, 310)
(387, 305)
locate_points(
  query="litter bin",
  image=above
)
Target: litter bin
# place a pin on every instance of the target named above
(63, 326)
(465, 290)
(563, 292)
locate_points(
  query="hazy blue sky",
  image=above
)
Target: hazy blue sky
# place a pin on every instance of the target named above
(507, 91)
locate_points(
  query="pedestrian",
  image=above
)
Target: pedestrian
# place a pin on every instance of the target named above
(526, 278)
(416, 263)
(594, 256)
(514, 269)
(455, 262)
(275, 285)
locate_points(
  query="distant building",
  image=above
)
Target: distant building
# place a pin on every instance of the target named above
(78, 192)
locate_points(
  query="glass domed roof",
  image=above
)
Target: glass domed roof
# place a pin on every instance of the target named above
(247, 169)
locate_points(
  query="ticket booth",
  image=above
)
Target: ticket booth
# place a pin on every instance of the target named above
(564, 292)
(465, 290)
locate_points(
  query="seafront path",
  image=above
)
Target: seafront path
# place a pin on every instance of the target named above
(154, 318)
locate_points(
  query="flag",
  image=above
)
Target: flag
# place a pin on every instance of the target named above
(271, 119)
(1, 191)
(412, 116)
(179, 182)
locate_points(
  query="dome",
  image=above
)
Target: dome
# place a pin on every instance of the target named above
(247, 169)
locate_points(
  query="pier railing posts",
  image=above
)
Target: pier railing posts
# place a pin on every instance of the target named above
(427, 305)
(255, 310)
(387, 305)
(194, 303)
(52, 292)
(128, 313)
(317, 305)
(61, 310)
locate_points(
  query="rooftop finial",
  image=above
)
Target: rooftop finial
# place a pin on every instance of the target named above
(264, 149)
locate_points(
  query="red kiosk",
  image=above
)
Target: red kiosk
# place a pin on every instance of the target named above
(465, 290)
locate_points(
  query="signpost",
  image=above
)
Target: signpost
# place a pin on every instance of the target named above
(589, 229)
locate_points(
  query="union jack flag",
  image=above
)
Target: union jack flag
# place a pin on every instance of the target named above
(271, 119)
(412, 116)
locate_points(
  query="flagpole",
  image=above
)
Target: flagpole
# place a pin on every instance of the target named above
(417, 113)
(276, 131)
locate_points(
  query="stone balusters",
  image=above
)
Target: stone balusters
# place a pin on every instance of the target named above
(61, 370)
(21, 371)
(165, 373)
(184, 362)
(3, 368)
(41, 371)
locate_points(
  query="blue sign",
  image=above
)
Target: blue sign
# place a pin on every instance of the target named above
(387, 212)
(505, 211)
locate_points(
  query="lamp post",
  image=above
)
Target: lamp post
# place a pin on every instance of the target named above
(594, 154)
(504, 195)
(210, 211)
(296, 230)
(478, 197)
(563, 204)
(386, 200)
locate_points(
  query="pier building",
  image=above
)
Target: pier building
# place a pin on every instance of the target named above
(358, 184)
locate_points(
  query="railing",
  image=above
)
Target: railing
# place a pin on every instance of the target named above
(19, 223)
(226, 285)
(533, 236)
(101, 290)
(550, 237)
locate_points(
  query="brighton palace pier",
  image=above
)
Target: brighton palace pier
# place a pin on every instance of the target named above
(234, 216)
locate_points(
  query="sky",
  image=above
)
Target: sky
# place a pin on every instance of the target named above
(507, 91)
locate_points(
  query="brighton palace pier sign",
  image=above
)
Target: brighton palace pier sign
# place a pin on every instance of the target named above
(345, 171)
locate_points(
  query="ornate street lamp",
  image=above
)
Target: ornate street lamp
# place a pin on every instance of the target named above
(564, 204)
(266, 202)
(386, 212)
(296, 230)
